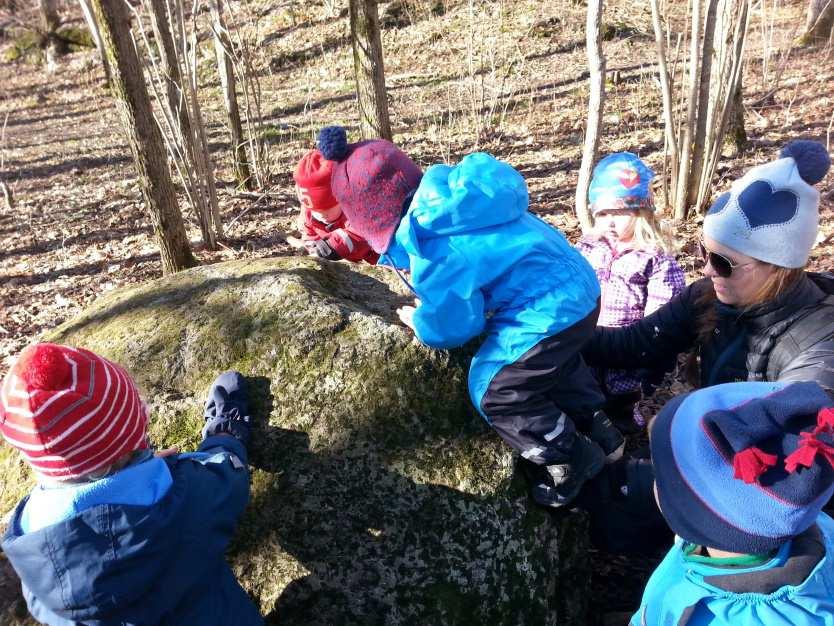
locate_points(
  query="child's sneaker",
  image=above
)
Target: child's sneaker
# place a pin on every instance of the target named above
(227, 407)
(558, 485)
(607, 436)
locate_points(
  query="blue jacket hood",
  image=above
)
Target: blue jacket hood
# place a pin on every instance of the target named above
(86, 586)
(478, 192)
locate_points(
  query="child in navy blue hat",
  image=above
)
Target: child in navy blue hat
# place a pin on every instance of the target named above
(482, 264)
(631, 252)
(742, 471)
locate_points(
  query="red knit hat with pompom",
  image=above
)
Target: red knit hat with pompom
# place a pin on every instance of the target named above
(70, 412)
(312, 179)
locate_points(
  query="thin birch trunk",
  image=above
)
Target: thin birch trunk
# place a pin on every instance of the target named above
(666, 91)
(596, 102)
(177, 105)
(225, 68)
(87, 10)
(691, 112)
(703, 107)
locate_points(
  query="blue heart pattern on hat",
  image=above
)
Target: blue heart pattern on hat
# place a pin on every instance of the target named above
(719, 204)
(762, 206)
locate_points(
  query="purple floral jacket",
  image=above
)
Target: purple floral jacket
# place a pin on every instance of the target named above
(634, 283)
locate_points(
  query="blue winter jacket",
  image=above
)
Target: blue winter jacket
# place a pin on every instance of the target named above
(126, 565)
(794, 588)
(481, 263)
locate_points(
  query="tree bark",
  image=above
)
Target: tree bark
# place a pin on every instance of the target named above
(668, 110)
(691, 112)
(87, 9)
(225, 68)
(49, 22)
(177, 105)
(822, 28)
(736, 133)
(143, 135)
(813, 11)
(596, 102)
(702, 111)
(369, 70)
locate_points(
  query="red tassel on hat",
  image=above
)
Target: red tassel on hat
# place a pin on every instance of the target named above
(808, 448)
(826, 417)
(750, 463)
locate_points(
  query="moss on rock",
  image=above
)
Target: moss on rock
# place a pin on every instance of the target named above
(378, 495)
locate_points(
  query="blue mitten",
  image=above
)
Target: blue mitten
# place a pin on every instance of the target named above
(227, 407)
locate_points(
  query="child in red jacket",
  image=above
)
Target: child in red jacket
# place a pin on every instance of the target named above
(325, 231)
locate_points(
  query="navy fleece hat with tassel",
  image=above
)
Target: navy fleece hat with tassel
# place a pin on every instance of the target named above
(744, 467)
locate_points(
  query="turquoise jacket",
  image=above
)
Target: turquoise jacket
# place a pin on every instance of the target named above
(794, 588)
(482, 264)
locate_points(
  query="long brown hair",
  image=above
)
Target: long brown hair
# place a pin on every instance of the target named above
(777, 282)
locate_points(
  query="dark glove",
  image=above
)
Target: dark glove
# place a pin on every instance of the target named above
(323, 250)
(227, 407)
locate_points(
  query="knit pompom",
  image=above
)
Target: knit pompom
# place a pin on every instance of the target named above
(43, 366)
(333, 143)
(811, 158)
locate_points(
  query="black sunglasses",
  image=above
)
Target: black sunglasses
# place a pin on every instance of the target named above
(721, 264)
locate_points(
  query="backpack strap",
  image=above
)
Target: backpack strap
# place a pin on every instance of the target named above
(805, 331)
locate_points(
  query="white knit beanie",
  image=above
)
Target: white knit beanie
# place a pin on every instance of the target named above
(772, 212)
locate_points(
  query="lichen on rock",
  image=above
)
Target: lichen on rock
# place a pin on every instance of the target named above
(378, 494)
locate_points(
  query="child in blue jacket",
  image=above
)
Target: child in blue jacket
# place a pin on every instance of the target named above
(481, 264)
(113, 534)
(742, 471)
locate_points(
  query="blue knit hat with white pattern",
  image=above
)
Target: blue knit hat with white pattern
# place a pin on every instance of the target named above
(772, 212)
(744, 467)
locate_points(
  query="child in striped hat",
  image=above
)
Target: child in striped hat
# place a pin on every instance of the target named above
(113, 533)
(742, 471)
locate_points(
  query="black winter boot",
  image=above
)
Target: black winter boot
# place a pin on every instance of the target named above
(557, 485)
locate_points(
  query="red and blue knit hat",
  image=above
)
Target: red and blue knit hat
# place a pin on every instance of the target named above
(621, 181)
(371, 180)
(70, 412)
(744, 467)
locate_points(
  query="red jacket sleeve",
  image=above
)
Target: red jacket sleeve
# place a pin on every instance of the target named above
(306, 224)
(351, 246)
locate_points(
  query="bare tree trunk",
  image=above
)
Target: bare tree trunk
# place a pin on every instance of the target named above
(87, 9)
(49, 22)
(698, 155)
(666, 90)
(736, 132)
(822, 28)
(691, 112)
(178, 108)
(143, 135)
(369, 70)
(225, 68)
(815, 8)
(596, 101)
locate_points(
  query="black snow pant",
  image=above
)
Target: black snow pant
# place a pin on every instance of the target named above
(537, 403)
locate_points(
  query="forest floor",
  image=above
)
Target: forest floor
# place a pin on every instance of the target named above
(506, 77)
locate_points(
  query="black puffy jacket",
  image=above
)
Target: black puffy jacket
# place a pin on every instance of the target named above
(790, 338)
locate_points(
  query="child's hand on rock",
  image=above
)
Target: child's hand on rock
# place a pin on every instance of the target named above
(406, 314)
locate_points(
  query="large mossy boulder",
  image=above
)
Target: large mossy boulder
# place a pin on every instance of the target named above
(378, 495)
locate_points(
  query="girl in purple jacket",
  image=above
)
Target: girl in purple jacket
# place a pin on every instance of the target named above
(632, 255)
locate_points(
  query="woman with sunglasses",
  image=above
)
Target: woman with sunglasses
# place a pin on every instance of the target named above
(757, 315)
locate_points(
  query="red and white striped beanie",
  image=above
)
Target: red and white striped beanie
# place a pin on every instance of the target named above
(70, 412)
